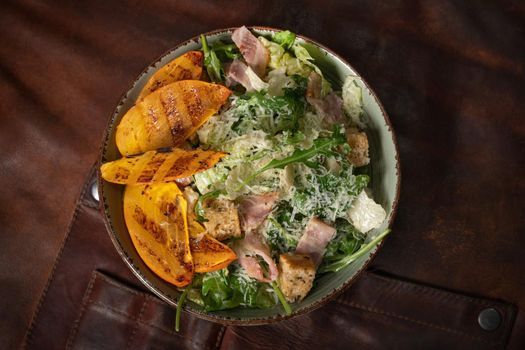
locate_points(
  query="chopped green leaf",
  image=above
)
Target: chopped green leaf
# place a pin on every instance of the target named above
(284, 38)
(211, 62)
(365, 248)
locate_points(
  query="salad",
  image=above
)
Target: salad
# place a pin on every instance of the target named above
(246, 173)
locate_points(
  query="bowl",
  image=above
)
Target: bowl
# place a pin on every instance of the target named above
(385, 182)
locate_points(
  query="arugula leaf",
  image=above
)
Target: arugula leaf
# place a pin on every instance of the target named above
(321, 146)
(347, 242)
(216, 292)
(347, 260)
(224, 289)
(226, 51)
(280, 112)
(284, 38)
(212, 62)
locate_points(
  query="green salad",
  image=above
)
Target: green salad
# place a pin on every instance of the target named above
(291, 196)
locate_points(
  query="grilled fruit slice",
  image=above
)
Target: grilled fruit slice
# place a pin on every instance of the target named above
(159, 166)
(187, 66)
(168, 116)
(156, 219)
(208, 253)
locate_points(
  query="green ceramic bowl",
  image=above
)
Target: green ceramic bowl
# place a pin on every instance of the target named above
(385, 187)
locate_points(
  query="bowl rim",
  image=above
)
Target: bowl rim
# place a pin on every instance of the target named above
(213, 317)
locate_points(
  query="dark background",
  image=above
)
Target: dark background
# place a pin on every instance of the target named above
(451, 75)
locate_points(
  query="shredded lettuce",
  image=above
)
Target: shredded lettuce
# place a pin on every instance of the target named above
(353, 101)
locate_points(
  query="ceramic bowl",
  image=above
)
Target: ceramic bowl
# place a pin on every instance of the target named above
(385, 181)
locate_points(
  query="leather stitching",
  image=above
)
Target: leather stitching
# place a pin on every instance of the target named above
(419, 322)
(426, 289)
(220, 336)
(136, 327)
(32, 324)
(143, 323)
(85, 303)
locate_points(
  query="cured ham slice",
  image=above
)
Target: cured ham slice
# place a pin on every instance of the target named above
(238, 72)
(251, 247)
(314, 240)
(253, 51)
(330, 107)
(253, 210)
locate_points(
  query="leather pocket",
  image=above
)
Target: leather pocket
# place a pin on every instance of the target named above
(116, 316)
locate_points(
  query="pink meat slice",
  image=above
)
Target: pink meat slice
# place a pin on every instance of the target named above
(238, 72)
(247, 251)
(253, 210)
(330, 107)
(253, 51)
(314, 240)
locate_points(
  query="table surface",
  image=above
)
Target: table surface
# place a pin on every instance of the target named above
(451, 76)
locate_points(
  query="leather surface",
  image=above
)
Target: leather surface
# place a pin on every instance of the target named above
(450, 74)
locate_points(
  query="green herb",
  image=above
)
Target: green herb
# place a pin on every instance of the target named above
(226, 51)
(284, 38)
(212, 62)
(225, 289)
(347, 260)
(272, 114)
(199, 210)
(287, 308)
(321, 146)
(182, 299)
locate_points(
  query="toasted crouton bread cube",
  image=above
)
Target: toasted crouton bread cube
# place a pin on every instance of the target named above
(223, 219)
(296, 276)
(358, 141)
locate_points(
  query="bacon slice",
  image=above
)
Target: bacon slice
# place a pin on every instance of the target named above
(238, 72)
(247, 251)
(253, 51)
(253, 210)
(314, 240)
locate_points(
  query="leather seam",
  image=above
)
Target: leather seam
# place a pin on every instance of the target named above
(220, 336)
(85, 302)
(433, 290)
(136, 327)
(142, 322)
(32, 324)
(419, 322)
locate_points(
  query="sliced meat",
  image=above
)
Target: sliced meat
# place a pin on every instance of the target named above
(314, 240)
(223, 219)
(253, 51)
(251, 247)
(238, 72)
(358, 141)
(330, 107)
(253, 210)
(296, 276)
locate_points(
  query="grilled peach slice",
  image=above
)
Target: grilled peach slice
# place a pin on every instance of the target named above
(185, 67)
(156, 217)
(169, 115)
(159, 166)
(208, 253)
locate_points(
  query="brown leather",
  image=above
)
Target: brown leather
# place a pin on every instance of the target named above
(450, 74)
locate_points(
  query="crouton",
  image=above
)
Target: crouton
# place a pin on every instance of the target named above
(296, 276)
(223, 219)
(358, 141)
